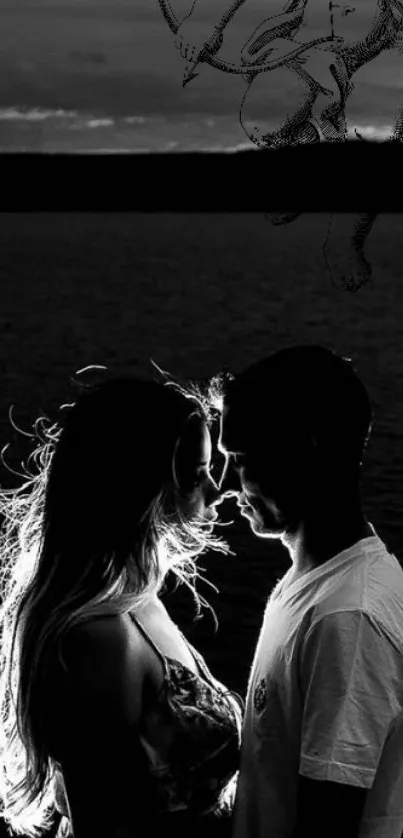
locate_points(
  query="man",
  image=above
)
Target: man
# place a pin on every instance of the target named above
(322, 753)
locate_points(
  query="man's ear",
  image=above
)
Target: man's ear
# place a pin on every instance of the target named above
(314, 451)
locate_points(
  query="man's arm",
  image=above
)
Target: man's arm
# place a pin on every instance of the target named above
(349, 677)
(328, 810)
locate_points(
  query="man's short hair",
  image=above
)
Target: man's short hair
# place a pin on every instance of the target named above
(303, 391)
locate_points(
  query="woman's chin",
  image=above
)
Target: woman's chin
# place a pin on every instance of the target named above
(206, 517)
(210, 519)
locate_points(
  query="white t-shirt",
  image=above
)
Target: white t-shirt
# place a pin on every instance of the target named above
(325, 694)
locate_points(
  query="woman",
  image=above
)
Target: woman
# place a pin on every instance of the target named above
(107, 714)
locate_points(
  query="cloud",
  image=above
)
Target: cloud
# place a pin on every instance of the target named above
(135, 120)
(92, 123)
(34, 115)
(116, 93)
(72, 132)
(79, 57)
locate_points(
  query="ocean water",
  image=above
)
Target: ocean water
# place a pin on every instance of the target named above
(194, 292)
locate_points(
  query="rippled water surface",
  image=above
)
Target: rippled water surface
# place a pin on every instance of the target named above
(194, 292)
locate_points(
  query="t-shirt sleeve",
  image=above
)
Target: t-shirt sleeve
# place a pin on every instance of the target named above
(349, 679)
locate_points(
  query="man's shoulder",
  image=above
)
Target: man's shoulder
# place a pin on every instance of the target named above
(383, 600)
(344, 624)
(371, 586)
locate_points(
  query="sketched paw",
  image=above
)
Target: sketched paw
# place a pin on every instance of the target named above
(186, 49)
(255, 135)
(193, 39)
(277, 218)
(349, 271)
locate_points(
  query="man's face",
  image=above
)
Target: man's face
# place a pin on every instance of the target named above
(260, 477)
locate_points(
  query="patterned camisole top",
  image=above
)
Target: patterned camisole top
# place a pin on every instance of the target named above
(190, 736)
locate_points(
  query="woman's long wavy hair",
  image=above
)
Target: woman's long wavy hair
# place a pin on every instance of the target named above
(93, 529)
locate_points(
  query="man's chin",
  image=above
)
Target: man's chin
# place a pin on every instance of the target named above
(264, 529)
(263, 532)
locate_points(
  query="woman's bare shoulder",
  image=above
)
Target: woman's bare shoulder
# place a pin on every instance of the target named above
(106, 665)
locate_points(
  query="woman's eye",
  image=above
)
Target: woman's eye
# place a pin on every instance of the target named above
(201, 477)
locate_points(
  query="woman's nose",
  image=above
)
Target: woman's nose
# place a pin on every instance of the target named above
(214, 495)
(229, 483)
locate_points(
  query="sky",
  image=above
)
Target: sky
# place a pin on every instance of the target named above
(105, 75)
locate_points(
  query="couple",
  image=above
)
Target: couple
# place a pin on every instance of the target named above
(108, 714)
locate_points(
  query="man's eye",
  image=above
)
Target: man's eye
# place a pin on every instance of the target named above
(239, 460)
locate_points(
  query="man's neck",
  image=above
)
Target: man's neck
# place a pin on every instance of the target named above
(321, 539)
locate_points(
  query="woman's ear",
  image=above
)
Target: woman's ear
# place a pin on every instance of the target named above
(185, 451)
(175, 475)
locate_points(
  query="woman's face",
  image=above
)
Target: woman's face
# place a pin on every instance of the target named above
(198, 490)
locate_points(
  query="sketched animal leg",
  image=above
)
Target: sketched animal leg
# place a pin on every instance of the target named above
(277, 218)
(283, 99)
(345, 259)
(315, 86)
(301, 102)
(347, 265)
(344, 251)
(271, 120)
(397, 134)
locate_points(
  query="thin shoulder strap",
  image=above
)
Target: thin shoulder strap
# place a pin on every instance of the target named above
(145, 634)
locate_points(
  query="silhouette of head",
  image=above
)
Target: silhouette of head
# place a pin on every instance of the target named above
(294, 428)
(127, 448)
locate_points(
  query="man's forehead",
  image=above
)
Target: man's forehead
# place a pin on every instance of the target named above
(245, 433)
(231, 437)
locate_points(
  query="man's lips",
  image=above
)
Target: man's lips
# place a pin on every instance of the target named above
(243, 506)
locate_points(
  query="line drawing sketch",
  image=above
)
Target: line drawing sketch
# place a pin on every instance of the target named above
(317, 74)
(346, 263)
